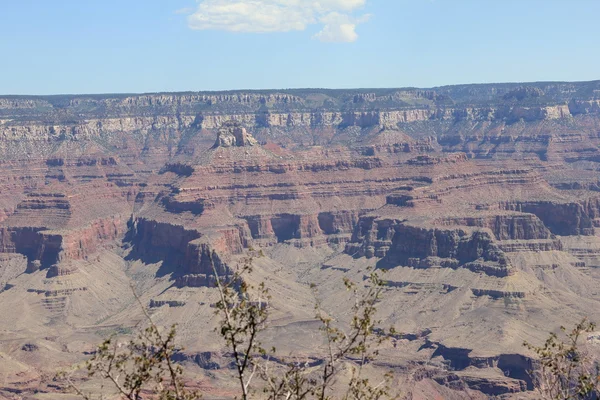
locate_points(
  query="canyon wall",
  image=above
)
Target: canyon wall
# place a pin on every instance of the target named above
(480, 201)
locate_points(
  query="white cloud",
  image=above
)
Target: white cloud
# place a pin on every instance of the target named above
(261, 16)
(339, 27)
(338, 33)
(186, 10)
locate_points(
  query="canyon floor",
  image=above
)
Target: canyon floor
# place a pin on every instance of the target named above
(480, 202)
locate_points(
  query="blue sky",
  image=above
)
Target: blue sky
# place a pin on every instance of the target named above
(91, 46)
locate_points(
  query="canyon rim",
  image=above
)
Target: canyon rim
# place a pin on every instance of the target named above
(481, 202)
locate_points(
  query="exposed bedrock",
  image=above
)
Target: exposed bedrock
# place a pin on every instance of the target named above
(205, 360)
(472, 175)
(88, 161)
(327, 226)
(199, 266)
(505, 227)
(93, 126)
(591, 207)
(584, 106)
(498, 294)
(79, 243)
(338, 222)
(561, 218)
(262, 228)
(283, 227)
(31, 242)
(233, 134)
(180, 169)
(174, 205)
(514, 246)
(397, 243)
(279, 167)
(490, 386)
(155, 125)
(514, 366)
(408, 146)
(191, 255)
(60, 269)
(153, 239)
(230, 239)
(49, 247)
(516, 113)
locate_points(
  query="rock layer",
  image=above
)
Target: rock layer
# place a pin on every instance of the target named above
(480, 201)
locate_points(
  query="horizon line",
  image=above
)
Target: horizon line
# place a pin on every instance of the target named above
(177, 92)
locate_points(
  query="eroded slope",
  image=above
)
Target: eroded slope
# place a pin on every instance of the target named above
(480, 201)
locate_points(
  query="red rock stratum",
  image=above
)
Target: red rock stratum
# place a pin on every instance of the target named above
(482, 202)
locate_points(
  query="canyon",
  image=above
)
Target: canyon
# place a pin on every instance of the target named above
(480, 202)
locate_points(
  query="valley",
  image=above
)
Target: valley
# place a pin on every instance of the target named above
(481, 203)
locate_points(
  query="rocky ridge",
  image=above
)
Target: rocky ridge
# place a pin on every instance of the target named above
(481, 202)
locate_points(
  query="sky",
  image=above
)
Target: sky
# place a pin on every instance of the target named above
(135, 46)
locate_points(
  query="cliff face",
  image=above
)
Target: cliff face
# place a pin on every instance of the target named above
(401, 143)
(94, 127)
(561, 219)
(310, 198)
(479, 200)
(233, 134)
(101, 117)
(399, 244)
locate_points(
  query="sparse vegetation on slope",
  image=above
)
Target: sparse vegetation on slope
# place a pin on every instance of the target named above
(567, 371)
(144, 366)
